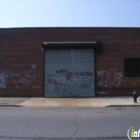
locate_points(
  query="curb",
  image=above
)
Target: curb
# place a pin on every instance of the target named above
(123, 106)
(10, 105)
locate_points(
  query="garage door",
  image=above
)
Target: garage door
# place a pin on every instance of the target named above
(69, 73)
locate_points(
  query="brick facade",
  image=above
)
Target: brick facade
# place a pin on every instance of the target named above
(21, 49)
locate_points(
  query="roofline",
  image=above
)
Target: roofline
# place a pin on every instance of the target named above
(73, 27)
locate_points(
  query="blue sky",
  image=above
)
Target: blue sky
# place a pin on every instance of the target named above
(69, 13)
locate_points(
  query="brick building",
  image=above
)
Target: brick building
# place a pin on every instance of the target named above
(69, 62)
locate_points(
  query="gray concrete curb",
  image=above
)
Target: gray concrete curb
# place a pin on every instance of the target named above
(133, 105)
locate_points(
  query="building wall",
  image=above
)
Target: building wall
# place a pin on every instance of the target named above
(119, 43)
(22, 58)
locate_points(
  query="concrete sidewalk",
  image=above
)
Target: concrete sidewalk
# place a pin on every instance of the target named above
(69, 102)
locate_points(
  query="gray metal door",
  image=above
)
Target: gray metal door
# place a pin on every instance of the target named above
(69, 73)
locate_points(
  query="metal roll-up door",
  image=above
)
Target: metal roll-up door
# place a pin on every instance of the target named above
(69, 72)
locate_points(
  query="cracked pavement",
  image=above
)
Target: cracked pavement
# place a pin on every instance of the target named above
(67, 123)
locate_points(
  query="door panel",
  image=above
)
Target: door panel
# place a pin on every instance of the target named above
(69, 73)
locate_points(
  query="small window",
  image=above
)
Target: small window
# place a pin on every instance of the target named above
(131, 67)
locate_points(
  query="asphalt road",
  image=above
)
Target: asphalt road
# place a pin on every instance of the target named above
(21, 123)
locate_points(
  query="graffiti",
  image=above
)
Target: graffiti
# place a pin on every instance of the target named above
(49, 75)
(24, 81)
(68, 83)
(68, 89)
(2, 80)
(76, 90)
(108, 79)
(25, 78)
(69, 75)
(32, 75)
(84, 73)
(52, 81)
(50, 89)
(86, 86)
(62, 71)
(86, 83)
(63, 89)
(79, 73)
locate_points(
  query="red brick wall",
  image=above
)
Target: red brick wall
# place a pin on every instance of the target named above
(22, 47)
(19, 49)
(118, 44)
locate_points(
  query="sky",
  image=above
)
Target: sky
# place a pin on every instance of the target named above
(69, 13)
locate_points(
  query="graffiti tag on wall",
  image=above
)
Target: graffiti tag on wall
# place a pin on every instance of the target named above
(108, 79)
(25, 78)
(68, 83)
